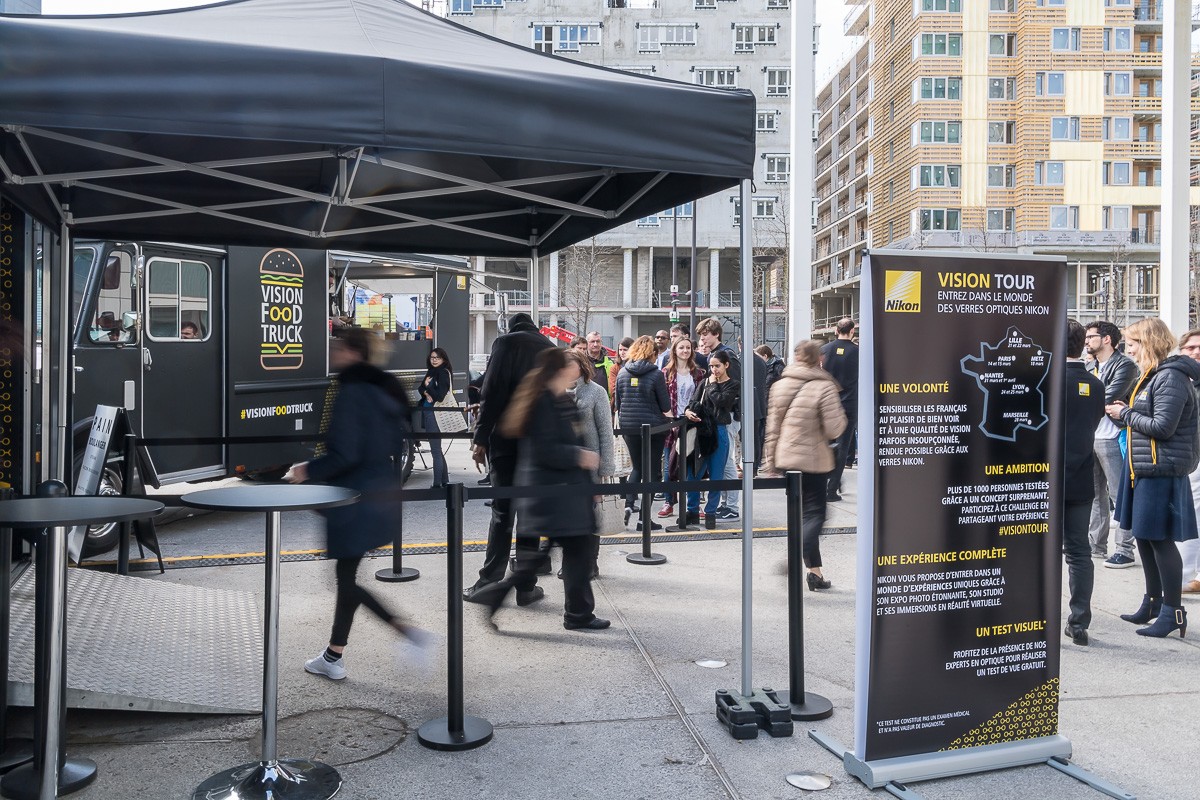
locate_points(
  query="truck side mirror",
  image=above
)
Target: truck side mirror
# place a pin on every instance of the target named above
(111, 279)
(129, 320)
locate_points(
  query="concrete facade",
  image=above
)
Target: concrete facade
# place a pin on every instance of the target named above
(742, 44)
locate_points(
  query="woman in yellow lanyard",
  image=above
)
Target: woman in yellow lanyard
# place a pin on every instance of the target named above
(1155, 500)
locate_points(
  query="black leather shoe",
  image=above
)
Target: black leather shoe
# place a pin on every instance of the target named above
(693, 518)
(594, 624)
(530, 596)
(832, 497)
(816, 583)
(1078, 635)
(469, 594)
(710, 522)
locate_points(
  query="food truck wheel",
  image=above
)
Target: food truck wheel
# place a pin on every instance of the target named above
(103, 537)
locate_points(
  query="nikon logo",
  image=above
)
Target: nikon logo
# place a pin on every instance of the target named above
(901, 291)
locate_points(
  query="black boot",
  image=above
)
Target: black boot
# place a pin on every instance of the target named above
(693, 518)
(1147, 611)
(1169, 619)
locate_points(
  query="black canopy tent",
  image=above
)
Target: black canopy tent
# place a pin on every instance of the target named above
(350, 124)
(356, 124)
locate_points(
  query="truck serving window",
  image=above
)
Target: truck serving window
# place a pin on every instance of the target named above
(178, 298)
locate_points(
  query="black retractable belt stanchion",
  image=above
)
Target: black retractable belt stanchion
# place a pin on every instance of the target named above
(13, 752)
(456, 730)
(805, 705)
(129, 450)
(646, 557)
(398, 573)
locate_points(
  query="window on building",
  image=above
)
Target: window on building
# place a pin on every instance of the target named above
(648, 222)
(1117, 218)
(938, 132)
(683, 212)
(940, 219)
(1048, 173)
(736, 203)
(1064, 129)
(1064, 218)
(938, 176)
(779, 166)
(891, 232)
(892, 30)
(779, 81)
(1064, 39)
(1002, 88)
(748, 37)
(779, 4)
(722, 78)
(1148, 174)
(892, 70)
(1116, 173)
(1051, 3)
(938, 44)
(1001, 220)
(950, 6)
(1002, 44)
(543, 38)
(1049, 84)
(1001, 176)
(891, 191)
(767, 121)
(570, 37)
(652, 38)
(178, 291)
(1118, 39)
(937, 89)
(1118, 2)
(1118, 84)
(891, 151)
(1117, 129)
(1002, 6)
(705, 4)
(462, 7)
(764, 207)
(1003, 132)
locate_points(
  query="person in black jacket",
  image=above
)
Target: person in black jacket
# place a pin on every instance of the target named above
(712, 409)
(512, 357)
(368, 427)
(642, 399)
(1084, 410)
(434, 388)
(1155, 499)
(544, 418)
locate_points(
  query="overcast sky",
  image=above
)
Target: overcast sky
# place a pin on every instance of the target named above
(834, 47)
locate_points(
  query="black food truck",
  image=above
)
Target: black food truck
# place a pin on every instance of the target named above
(233, 342)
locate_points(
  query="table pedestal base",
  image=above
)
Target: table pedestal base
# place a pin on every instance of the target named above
(294, 779)
(25, 783)
(436, 734)
(14, 753)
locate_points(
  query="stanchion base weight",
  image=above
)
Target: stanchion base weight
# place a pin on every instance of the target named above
(403, 576)
(14, 753)
(25, 783)
(653, 559)
(744, 716)
(436, 734)
(813, 707)
(682, 528)
(294, 779)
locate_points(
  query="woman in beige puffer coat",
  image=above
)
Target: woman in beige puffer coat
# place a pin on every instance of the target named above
(804, 415)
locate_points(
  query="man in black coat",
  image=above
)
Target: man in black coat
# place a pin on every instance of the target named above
(1084, 408)
(840, 359)
(513, 356)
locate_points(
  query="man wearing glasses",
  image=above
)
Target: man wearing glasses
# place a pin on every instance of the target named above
(1118, 373)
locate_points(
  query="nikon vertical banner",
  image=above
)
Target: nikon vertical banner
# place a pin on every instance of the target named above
(960, 503)
(12, 355)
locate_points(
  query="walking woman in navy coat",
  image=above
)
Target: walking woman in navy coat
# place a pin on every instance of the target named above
(367, 430)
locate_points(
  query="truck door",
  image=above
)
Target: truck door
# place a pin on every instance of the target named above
(183, 375)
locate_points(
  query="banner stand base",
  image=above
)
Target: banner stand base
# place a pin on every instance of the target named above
(744, 716)
(892, 773)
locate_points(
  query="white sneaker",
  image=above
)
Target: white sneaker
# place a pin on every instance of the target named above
(334, 670)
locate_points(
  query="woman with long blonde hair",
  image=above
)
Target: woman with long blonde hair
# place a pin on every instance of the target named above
(1154, 500)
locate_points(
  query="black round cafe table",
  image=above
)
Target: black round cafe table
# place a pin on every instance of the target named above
(52, 774)
(271, 777)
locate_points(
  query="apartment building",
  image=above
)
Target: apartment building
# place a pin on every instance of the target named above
(842, 160)
(1029, 126)
(623, 279)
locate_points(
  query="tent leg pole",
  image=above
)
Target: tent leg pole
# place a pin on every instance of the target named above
(535, 286)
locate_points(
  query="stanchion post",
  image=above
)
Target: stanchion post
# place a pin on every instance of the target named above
(129, 449)
(681, 448)
(804, 705)
(646, 557)
(457, 730)
(398, 573)
(13, 752)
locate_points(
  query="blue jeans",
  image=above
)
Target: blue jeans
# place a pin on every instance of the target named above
(714, 466)
(441, 476)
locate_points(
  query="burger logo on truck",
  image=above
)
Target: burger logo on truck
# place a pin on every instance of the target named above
(281, 279)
